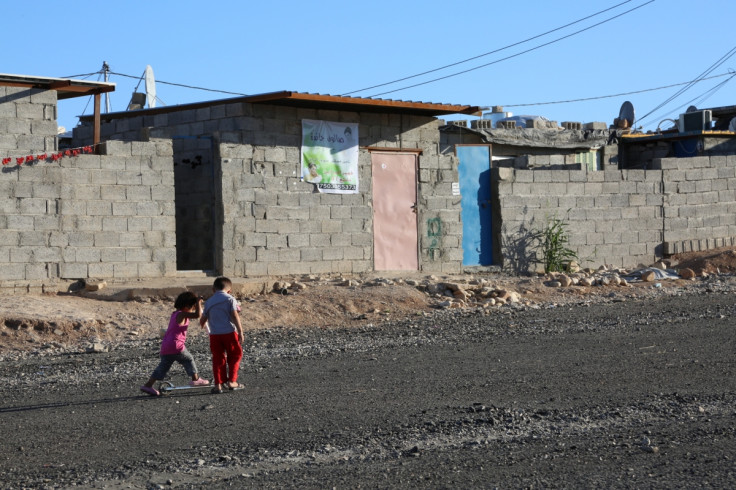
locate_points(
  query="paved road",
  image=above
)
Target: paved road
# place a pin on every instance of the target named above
(628, 394)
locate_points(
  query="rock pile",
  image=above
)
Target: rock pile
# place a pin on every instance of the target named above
(588, 278)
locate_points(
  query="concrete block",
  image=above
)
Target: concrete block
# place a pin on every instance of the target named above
(151, 270)
(297, 240)
(481, 124)
(98, 208)
(138, 255)
(311, 254)
(125, 270)
(11, 272)
(116, 223)
(331, 226)
(124, 209)
(140, 223)
(131, 239)
(163, 256)
(589, 126)
(128, 177)
(73, 271)
(276, 241)
(20, 223)
(542, 176)
(319, 240)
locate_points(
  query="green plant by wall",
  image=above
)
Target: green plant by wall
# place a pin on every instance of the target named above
(554, 240)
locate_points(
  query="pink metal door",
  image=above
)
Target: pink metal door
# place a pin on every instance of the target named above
(394, 211)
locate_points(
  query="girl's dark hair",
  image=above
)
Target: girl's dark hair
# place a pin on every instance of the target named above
(185, 300)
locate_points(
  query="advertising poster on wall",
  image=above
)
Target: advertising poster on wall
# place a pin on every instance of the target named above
(330, 156)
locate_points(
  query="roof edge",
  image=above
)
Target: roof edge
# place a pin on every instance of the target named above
(66, 88)
(291, 98)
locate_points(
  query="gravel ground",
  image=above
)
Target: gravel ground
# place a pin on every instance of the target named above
(619, 392)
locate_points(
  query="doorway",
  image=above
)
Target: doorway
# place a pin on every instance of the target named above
(194, 203)
(394, 211)
(474, 173)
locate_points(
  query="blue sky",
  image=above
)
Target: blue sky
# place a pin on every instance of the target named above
(335, 47)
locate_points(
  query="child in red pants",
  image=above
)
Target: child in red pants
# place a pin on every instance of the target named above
(221, 315)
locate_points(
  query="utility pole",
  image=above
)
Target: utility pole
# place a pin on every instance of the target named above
(106, 72)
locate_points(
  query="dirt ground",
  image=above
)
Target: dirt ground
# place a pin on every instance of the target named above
(570, 387)
(66, 321)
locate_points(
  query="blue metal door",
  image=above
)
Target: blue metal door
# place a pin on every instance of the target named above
(475, 190)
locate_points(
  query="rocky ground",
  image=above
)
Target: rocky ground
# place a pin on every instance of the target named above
(482, 381)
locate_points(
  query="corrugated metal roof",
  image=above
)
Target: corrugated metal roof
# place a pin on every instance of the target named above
(66, 88)
(315, 101)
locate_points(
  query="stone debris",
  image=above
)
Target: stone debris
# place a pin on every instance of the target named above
(687, 273)
(648, 276)
(646, 445)
(565, 280)
(94, 284)
(96, 348)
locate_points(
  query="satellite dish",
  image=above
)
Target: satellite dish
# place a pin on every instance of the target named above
(690, 109)
(150, 87)
(626, 115)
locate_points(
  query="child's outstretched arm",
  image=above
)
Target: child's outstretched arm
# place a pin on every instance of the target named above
(238, 326)
(196, 314)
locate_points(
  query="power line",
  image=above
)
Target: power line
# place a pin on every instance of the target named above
(181, 84)
(83, 75)
(707, 72)
(514, 55)
(697, 100)
(488, 53)
(611, 96)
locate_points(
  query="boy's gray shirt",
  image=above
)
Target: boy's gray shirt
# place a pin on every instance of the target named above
(218, 310)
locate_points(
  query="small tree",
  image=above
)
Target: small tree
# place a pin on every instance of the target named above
(555, 252)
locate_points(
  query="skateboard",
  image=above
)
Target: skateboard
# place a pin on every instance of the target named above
(167, 388)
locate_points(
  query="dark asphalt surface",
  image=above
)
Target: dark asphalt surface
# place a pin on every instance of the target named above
(632, 394)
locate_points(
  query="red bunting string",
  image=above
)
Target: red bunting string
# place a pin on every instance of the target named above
(72, 152)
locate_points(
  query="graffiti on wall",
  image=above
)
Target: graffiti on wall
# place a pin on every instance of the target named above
(434, 231)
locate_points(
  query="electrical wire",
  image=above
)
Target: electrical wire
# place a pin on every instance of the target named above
(181, 84)
(514, 55)
(609, 96)
(712, 91)
(488, 53)
(83, 75)
(700, 77)
(699, 99)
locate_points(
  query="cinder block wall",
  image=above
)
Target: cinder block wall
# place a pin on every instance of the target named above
(700, 202)
(276, 224)
(271, 222)
(617, 217)
(109, 216)
(612, 217)
(27, 121)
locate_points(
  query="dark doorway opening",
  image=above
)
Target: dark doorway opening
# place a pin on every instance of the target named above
(194, 202)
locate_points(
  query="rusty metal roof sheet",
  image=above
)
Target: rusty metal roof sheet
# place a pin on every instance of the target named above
(315, 101)
(66, 88)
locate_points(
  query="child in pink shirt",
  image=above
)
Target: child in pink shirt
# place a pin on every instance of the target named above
(173, 348)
